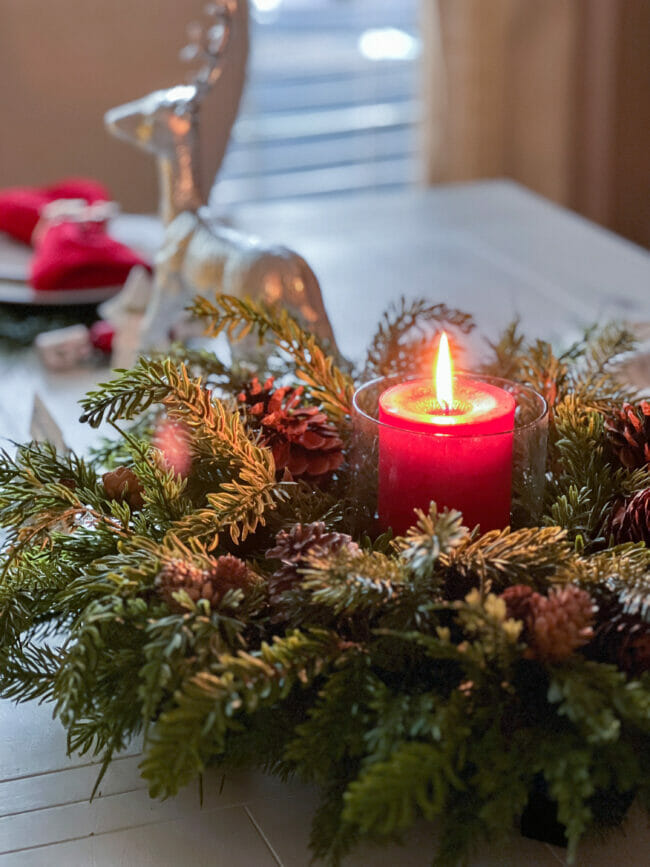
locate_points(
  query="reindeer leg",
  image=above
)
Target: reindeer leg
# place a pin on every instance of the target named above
(164, 311)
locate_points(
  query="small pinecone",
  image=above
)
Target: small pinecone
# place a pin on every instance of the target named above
(302, 439)
(631, 519)
(518, 601)
(295, 546)
(554, 625)
(560, 623)
(620, 638)
(228, 573)
(123, 484)
(628, 432)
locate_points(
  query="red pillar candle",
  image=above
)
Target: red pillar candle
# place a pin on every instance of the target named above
(451, 443)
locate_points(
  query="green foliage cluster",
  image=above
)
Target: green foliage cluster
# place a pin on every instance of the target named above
(390, 673)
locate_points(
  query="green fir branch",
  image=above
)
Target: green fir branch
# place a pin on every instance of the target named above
(326, 383)
(209, 703)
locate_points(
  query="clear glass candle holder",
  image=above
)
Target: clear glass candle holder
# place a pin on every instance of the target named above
(498, 476)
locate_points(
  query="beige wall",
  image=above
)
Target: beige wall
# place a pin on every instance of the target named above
(552, 93)
(498, 82)
(63, 63)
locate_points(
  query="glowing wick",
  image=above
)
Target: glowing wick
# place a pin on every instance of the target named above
(443, 376)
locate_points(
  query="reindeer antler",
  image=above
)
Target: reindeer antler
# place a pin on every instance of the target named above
(208, 43)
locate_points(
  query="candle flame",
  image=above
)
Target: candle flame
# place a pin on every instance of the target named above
(443, 375)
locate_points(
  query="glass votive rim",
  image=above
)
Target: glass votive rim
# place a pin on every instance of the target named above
(506, 384)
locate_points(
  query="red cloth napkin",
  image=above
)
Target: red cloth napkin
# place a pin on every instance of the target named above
(20, 207)
(81, 256)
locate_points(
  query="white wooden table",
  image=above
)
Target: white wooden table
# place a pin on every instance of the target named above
(492, 249)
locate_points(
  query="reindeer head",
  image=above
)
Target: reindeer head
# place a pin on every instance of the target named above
(165, 123)
(157, 123)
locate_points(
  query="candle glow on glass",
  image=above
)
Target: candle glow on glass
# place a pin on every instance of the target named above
(447, 439)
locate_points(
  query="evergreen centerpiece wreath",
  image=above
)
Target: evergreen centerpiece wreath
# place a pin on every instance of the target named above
(217, 588)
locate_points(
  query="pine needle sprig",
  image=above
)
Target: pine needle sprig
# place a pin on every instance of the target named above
(354, 582)
(209, 703)
(622, 572)
(131, 392)
(583, 489)
(393, 345)
(433, 534)
(501, 557)
(594, 379)
(28, 672)
(586, 370)
(242, 501)
(43, 495)
(325, 382)
(218, 435)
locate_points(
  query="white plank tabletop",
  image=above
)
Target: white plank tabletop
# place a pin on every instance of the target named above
(492, 249)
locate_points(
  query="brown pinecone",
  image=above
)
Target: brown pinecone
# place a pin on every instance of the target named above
(295, 546)
(560, 623)
(620, 638)
(302, 439)
(628, 432)
(123, 484)
(228, 573)
(631, 519)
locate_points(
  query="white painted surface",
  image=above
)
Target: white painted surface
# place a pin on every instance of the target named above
(491, 249)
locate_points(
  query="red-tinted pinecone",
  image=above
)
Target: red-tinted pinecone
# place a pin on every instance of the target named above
(518, 599)
(628, 432)
(228, 573)
(123, 484)
(555, 625)
(295, 546)
(302, 439)
(624, 640)
(256, 397)
(631, 519)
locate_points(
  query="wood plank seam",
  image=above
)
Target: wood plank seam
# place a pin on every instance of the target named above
(261, 833)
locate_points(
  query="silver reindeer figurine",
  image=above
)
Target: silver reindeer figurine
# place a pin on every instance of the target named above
(200, 255)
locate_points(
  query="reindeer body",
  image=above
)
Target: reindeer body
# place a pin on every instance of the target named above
(200, 255)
